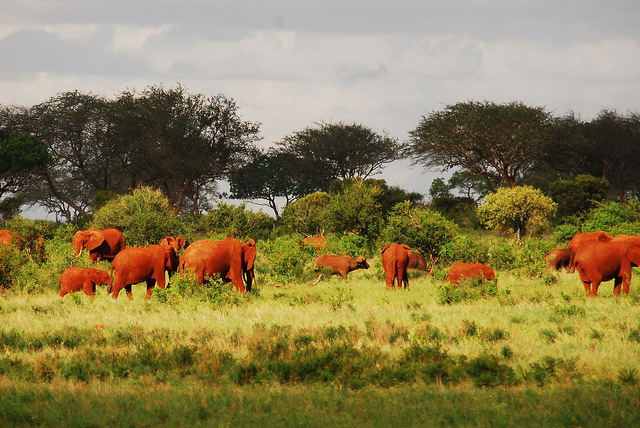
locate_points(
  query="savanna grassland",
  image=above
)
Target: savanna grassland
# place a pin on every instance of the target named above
(345, 352)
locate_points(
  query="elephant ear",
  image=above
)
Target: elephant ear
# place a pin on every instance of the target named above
(96, 238)
(249, 253)
(406, 247)
(170, 242)
(181, 242)
(633, 254)
(385, 248)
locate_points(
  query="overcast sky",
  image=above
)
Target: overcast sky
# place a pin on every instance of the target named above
(291, 63)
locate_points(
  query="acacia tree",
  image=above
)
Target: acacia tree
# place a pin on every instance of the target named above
(338, 150)
(500, 142)
(166, 138)
(269, 175)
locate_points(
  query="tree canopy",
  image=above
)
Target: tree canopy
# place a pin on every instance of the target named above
(338, 150)
(178, 142)
(501, 142)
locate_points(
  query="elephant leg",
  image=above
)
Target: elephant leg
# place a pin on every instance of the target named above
(127, 289)
(88, 288)
(587, 287)
(594, 288)
(150, 284)
(619, 282)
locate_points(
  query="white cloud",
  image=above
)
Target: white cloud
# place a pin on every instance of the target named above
(128, 38)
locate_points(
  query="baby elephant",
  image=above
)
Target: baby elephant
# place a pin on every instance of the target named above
(461, 271)
(341, 264)
(85, 279)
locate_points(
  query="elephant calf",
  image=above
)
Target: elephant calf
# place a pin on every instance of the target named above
(461, 271)
(341, 264)
(85, 279)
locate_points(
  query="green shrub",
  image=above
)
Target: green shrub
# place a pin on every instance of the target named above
(144, 217)
(235, 221)
(305, 216)
(424, 230)
(466, 290)
(464, 248)
(519, 211)
(355, 211)
(487, 371)
(614, 218)
(351, 244)
(286, 260)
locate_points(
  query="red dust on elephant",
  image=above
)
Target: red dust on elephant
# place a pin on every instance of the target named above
(461, 271)
(395, 260)
(229, 258)
(85, 279)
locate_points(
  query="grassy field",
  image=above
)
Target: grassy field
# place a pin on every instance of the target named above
(342, 353)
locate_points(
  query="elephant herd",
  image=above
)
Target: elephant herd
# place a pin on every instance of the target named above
(230, 258)
(596, 256)
(599, 257)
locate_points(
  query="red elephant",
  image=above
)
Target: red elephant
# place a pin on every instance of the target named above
(341, 264)
(319, 242)
(600, 261)
(417, 262)
(103, 244)
(85, 279)
(137, 264)
(460, 271)
(582, 238)
(395, 259)
(229, 257)
(561, 258)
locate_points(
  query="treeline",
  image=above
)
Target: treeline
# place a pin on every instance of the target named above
(72, 153)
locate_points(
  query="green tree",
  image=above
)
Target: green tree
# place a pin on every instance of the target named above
(424, 230)
(338, 150)
(610, 150)
(518, 210)
(267, 176)
(22, 160)
(500, 142)
(579, 195)
(178, 142)
(305, 215)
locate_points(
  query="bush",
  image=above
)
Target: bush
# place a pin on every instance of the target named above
(234, 221)
(522, 211)
(286, 259)
(424, 230)
(305, 215)
(614, 218)
(464, 248)
(356, 210)
(466, 290)
(144, 217)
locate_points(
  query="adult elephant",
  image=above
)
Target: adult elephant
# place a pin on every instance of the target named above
(137, 264)
(460, 271)
(85, 279)
(228, 257)
(582, 238)
(599, 261)
(561, 259)
(395, 259)
(102, 244)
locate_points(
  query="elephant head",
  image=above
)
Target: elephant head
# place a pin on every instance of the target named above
(172, 245)
(248, 259)
(89, 239)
